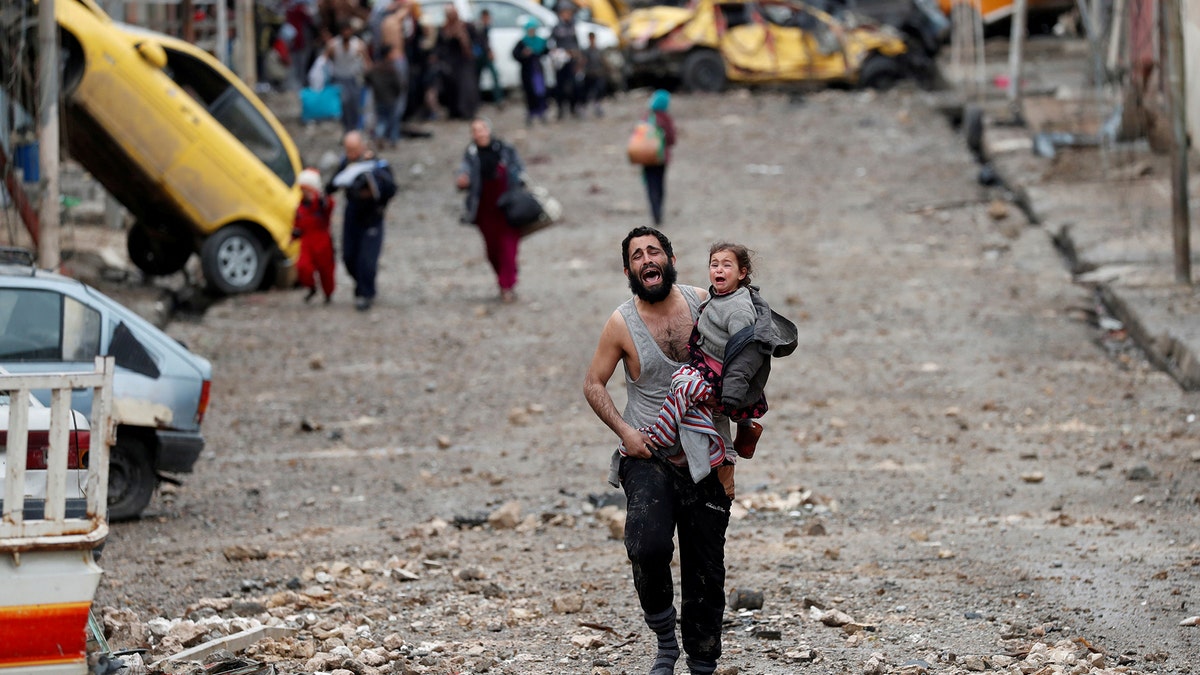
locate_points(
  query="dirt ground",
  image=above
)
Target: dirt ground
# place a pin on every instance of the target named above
(955, 457)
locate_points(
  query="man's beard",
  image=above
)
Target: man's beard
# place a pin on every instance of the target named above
(659, 293)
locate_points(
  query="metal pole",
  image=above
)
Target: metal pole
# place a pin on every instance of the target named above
(1016, 54)
(222, 45)
(1170, 22)
(246, 42)
(50, 246)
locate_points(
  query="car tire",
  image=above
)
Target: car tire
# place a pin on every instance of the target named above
(880, 72)
(233, 260)
(704, 70)
(131, 479)
(156, 255)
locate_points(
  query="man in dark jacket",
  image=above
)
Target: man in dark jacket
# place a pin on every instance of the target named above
(566, 57)
(369, 185)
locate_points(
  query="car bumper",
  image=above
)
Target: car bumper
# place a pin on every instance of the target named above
(178, 451)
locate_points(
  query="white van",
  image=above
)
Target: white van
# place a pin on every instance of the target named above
(508, 27)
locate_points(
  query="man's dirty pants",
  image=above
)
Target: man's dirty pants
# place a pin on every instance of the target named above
(662, 498)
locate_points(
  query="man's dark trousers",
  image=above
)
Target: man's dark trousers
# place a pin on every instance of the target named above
(663, 498)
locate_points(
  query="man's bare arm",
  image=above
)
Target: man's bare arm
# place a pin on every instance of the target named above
(609, 352)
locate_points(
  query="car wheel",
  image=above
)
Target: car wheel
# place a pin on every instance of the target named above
(704, 70)
(233, 260)
(131, 479)
(154, 254)
(880, 72)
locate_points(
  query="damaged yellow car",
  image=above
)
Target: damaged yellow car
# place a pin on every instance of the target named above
(711, 43)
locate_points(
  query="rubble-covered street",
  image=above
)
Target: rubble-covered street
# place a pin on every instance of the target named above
(960, 472)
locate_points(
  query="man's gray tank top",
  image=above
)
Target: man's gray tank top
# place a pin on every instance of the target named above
(646, 394)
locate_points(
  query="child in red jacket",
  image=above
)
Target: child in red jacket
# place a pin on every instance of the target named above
(312, 229)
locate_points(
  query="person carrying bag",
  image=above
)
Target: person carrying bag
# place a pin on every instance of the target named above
(650, 147)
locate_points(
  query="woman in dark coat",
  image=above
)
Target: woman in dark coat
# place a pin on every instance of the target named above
(529, 52)
(454, 52)
(488, 167)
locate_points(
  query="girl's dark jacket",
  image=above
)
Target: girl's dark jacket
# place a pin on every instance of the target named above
(748, 353)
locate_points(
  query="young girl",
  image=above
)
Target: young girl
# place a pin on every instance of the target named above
(728, 366)
(729, 311)
(312, 229)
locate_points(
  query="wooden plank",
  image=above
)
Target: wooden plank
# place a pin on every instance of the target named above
(233, 643)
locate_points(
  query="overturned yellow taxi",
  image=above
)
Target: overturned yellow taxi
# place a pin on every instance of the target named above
(710, 43)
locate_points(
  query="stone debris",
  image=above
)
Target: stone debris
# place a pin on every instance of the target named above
(384, 617)
(794, 500)
(506, 517)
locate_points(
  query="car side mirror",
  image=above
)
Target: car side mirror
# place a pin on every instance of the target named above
(152, 53)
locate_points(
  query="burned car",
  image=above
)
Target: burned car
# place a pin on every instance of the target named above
(711, 43)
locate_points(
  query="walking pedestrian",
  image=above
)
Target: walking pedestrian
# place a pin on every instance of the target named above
(484, 59)
(595, 73)
(649, 335)
(301, 16)
(655, 175)
(348, 62)
(528, 52)
(368, 185)
(460, 84)
(313, 217)
(387, 92)
(397, 28)
(489, 166)
(566, 57)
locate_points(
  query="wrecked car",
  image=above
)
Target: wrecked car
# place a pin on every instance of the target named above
(922, 22)
(711, 43)
(197, 159)
(50, 323)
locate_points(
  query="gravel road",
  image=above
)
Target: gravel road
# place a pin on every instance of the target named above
(956, 459)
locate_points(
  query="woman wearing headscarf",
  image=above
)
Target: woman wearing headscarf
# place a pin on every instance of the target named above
(489, 166)
(529, 51)
(655, 176)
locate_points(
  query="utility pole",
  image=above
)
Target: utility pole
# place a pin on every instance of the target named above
(1171, 31)
(1016, 54)
(223, 33)
(247, 63)
(50, 244)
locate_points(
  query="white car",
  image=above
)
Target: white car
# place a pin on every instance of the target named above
(508, 27)
(79, 438)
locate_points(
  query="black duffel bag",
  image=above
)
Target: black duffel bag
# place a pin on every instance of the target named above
(519, 206)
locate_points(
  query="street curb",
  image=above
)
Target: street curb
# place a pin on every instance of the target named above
(1165, 351)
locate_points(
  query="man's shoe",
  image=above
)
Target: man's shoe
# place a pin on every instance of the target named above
(362, 304)
(747, 439)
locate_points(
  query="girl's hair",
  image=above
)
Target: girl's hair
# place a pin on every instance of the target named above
(740, 253)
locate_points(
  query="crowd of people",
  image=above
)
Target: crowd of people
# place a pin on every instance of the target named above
(414, 70)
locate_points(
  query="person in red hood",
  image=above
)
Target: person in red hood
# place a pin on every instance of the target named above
(312, 229)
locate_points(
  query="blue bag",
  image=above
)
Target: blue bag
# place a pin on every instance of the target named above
(321, 104)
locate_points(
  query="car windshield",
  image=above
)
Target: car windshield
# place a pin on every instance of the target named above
(232, 109)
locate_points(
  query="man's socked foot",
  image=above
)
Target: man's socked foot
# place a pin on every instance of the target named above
(663, 625)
